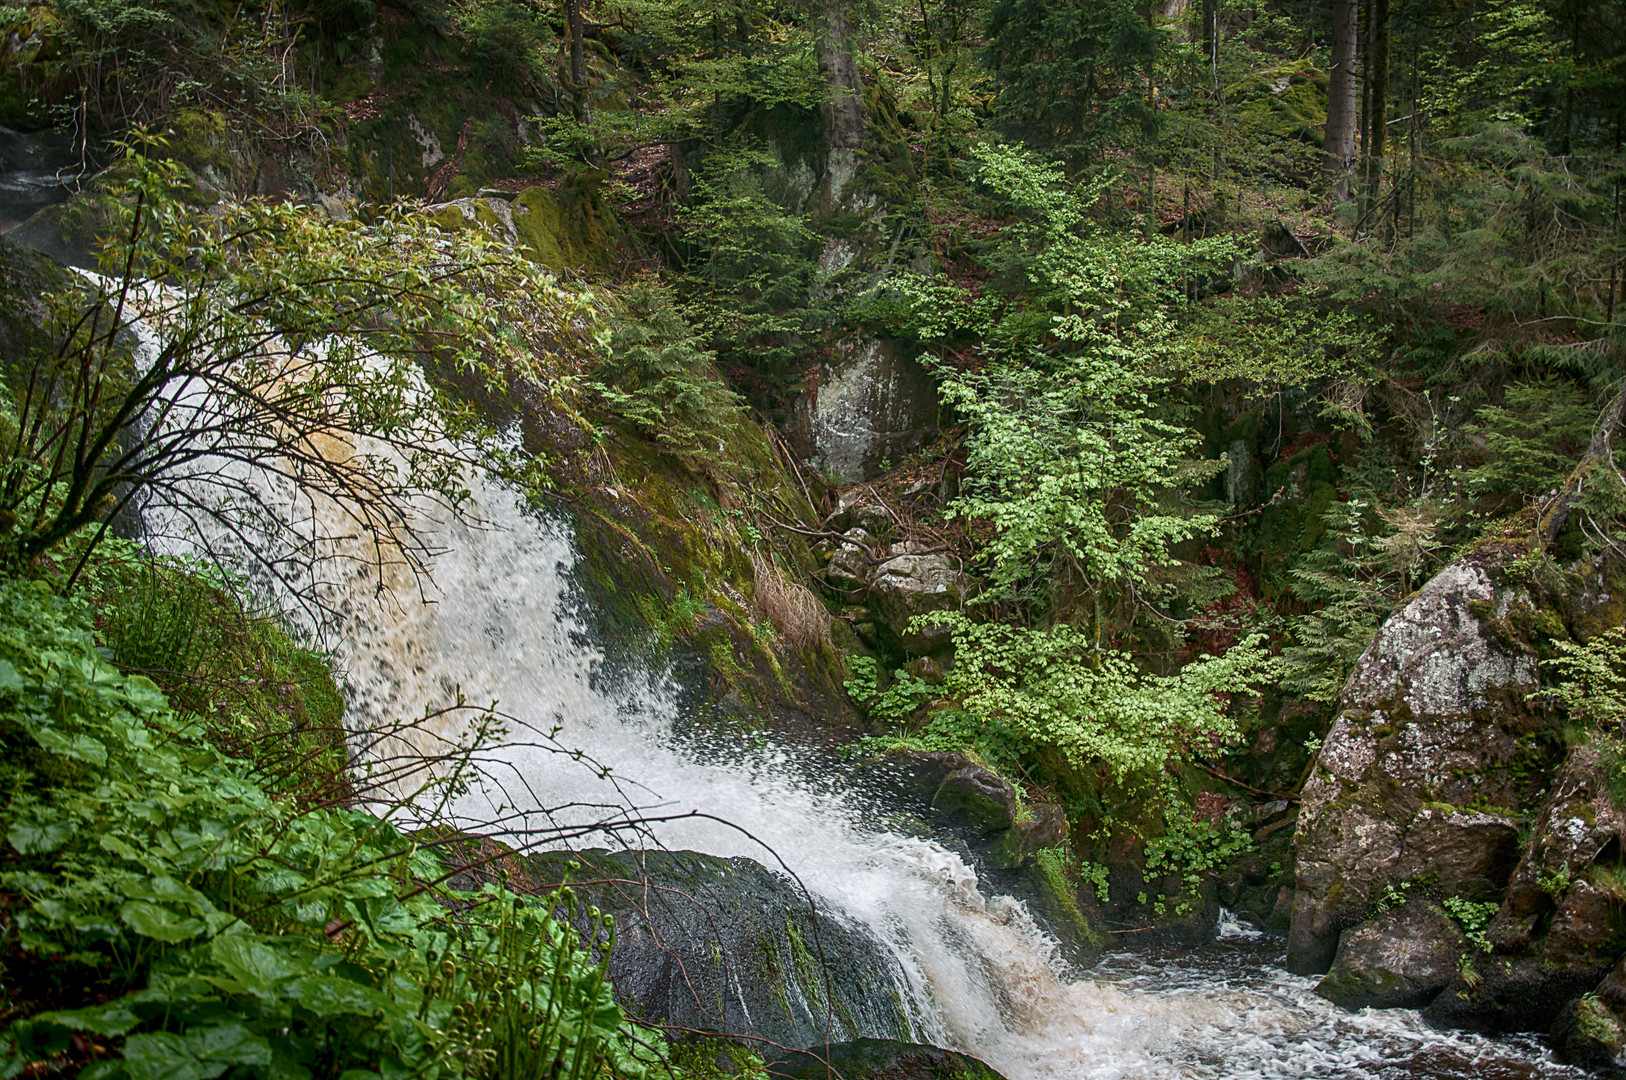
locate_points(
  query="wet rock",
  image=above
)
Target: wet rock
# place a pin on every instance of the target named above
(1590, 1031)
(728, 946)
(1399, 960)
(912, 585)
(982, 798)
(1434, 717)
(1590, 1035)
(1046, 827)
(867, 411)
(879, 1059)
(1471, 854)
(908, 780)
(1508, 993)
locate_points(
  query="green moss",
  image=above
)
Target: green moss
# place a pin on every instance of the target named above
(1288, 102)
(541, 228)
(198, 138)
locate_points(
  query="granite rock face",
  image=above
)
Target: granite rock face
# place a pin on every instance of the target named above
(868, 409)
(1448, 776)
(1434, 719)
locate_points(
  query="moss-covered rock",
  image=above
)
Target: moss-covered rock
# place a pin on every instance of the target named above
(1400, 959)
(728, 946)
(25, 278)
(1436, 710)
(879, 1059)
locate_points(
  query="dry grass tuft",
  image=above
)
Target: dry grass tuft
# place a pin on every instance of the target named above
(794, 611)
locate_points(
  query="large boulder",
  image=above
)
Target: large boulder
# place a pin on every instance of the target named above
(867, 411)
(1399, 960)
(910, 585)
(729, 947)
(1435, 718)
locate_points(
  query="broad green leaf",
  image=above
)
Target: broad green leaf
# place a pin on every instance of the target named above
(37, 837)
(253, 963)
(112, 1018)
(197, 1055)
(159, 923)
(329, 995)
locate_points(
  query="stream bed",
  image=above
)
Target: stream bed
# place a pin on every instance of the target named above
(1230, 1011)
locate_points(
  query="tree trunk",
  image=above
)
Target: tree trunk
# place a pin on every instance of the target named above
(1377, 115)
(1600, 454)
(578, 63)
(1378, 118)
(844, 103)
(1342, 97)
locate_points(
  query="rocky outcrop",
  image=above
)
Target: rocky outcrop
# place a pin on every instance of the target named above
(1445, 774)
(1561, 926)
(1434, 719)
(866, 412)
(1401, 959)
(888, 586)
(977, 812)
(908, 586)
(728, 946)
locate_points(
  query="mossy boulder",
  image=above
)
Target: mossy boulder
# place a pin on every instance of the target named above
(1288, 101)
(1399, 960)
(730, 947)
(879, 1059)
(1437, 710)
(25, 278)
(1590, 1035)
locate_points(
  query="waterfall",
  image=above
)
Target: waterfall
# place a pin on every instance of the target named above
(500, 623)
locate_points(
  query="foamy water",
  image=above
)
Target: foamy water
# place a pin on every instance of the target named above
(499, 624)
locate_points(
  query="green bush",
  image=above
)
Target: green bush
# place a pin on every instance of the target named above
(182, 921)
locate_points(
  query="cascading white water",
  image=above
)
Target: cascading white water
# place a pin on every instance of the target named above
(498, 624)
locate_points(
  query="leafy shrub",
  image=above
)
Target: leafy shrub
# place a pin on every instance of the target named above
(1472, 917)
(1094, 705)
(164, 902)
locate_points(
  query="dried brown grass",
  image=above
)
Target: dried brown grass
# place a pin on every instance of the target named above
(802, 622)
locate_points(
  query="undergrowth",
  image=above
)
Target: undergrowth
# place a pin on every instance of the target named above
(169, 915)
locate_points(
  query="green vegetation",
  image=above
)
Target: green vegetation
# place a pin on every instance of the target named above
(1213, 355)
(1472, 917)
(166, 896)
